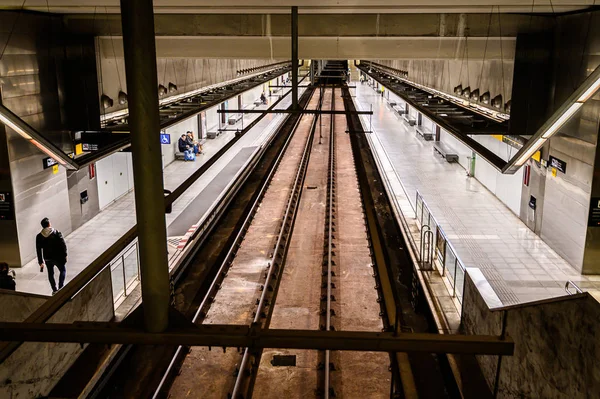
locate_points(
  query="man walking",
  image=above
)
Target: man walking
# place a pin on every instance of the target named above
(51, 251)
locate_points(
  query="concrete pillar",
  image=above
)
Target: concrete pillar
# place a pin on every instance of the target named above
(137, 18)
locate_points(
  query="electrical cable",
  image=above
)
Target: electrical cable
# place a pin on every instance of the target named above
(485, 48)
(112, 42)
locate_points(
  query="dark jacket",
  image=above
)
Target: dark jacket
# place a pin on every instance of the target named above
(7, 282)
(51, 245)
(183, 145)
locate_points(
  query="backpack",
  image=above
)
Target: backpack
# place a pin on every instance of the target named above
(190, 156)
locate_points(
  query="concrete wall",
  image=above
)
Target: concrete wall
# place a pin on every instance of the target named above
(496, 75)
(34, 368)
(45, 81)
(78, 182)
(17, 306)
(566, 196)
(556, 345)
(187, 73)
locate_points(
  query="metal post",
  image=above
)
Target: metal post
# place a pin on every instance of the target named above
(124, 277)
(137, 19)
(294, 57)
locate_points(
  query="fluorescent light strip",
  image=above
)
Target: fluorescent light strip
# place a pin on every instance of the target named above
(529, 153)
(562, 120)
(13, 126)
(47, 151)
(589, 92)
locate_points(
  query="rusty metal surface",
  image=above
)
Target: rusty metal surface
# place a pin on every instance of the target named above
(358, 310)
(210, 374)
(299, 299)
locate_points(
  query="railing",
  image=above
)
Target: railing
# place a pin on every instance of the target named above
(572, 284)
(125, 271)
(436, 250)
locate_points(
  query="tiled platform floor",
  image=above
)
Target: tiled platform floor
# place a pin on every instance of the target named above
(88, 241)
(518, 264)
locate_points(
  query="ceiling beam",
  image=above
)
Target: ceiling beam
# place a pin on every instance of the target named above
(258, 47)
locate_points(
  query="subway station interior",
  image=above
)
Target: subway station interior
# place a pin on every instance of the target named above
(299, 199)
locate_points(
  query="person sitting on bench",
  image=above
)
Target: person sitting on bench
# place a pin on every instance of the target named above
(193, 143)
(184, 147)
(263, 99)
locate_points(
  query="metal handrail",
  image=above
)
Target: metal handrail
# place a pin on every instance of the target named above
(457, 261)
(571, 283)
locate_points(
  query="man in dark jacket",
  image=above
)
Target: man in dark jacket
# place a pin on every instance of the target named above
(51, 251)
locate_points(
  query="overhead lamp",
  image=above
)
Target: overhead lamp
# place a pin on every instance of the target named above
(122, 98)
(507, 106)
(172, 87)
(162, 90)
(497, 101)
(458, 90)
(467, 92)
(475, 95)
(106, 101)
(485, 98)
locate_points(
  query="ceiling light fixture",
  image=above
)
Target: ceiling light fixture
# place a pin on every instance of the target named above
(106, 101)
(122, 98)
(172, 87)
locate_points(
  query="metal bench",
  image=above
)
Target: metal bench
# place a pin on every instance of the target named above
(179, 155)
(235, 118)
(446, 152)
(399, 109)
(212, 135)
(257, 103)
(409, 119)
(426, 133)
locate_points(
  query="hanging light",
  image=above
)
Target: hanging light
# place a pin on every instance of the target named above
(162, 90)
(467, 92)
(172, 87)
(475, 95)
(122, 97)
(507, 106)
(106, 101)
(497, 101)
(485, 97)
(458, 90)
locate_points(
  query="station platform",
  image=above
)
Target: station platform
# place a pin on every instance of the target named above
(90, 240)
(519, 266)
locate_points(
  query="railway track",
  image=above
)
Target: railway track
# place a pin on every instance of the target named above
(308, 242)
(284, 271)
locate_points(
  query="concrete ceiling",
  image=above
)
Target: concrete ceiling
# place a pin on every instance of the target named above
(323, 47)
(309, 6)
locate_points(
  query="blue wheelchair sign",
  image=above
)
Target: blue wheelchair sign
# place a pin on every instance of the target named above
(165, 138)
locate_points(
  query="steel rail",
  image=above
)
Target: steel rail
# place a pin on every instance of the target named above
(277, 263)
(202, 310)
(331, 205)
(53, 304)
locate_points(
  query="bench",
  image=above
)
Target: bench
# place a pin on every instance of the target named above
(179, 155)
(446, 152)
(425, 132)
(212, 135)
(257, 103)
(399, 109)
(409, 119)
(235, 118)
